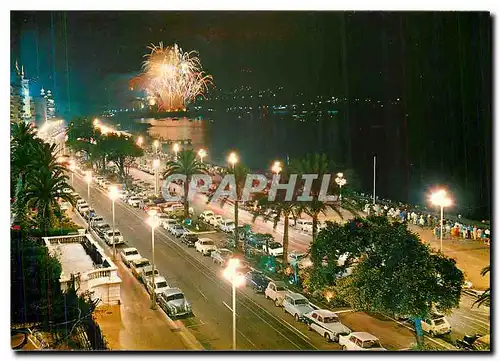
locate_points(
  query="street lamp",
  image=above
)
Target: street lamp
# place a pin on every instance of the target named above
(72, 167)
(237, 280)
(276, 168)
(156, 144)
(341, 181)
(140, 140)
(88, 179)
(156, 167)
(176, 149)
(440, 198)
(113, 195)
(202, 153)
(153, 222)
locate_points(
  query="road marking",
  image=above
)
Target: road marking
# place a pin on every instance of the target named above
(230, 309)
(294, 328)
(476, 320)
(201, 292)
(246, 338)
(196, 324)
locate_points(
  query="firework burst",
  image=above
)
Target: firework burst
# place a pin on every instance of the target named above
(171, 77)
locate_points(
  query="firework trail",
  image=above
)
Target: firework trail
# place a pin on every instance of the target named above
(171, 77)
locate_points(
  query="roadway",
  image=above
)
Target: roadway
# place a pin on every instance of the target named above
(260, 325)
(464, 320)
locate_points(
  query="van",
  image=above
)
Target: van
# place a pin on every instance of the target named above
(304, 225)
(436, 324)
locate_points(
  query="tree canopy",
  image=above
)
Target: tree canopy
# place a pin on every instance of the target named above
(393, 272)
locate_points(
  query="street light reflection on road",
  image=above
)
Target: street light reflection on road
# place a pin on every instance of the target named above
(237, 280)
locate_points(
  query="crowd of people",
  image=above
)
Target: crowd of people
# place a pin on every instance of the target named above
(450, 228)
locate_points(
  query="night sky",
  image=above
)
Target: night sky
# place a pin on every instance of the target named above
(438, 64)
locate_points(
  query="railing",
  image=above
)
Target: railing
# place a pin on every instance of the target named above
(98, 274)
(63, 239)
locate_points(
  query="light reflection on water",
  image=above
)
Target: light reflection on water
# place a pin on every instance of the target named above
(190, 133)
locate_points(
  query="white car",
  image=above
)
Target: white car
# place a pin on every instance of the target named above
(146, 272)
(129, 254)
(205, 246)
(327, 324)
(360, 341)
(108, 237)
(227, 226)
(81, 202)
(221, 255)
(168, 223)
(96, 220)
(174, 303)
(137, 265)
(304, 225)
(159, 286)
(205, 215)
(134, 201)
(275, 249)
(276, 291)
(67, 190)
(215, 220)
(84, 208)
(178, 230)
(296, 305)
(436, 324)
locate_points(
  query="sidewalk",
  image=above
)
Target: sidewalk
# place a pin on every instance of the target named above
(471, 255)
(133, 325)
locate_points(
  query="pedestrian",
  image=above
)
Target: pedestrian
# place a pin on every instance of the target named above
(422, 221)
(474, 232)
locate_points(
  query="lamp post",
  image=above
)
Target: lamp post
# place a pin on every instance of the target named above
(88, 179)
(202, 153)
(233, 159)
(237, 280)
(341, 181)
(176, 148)
(72, 167)
(153, 222)
(440, 198)
(156, 167)
(113, 195)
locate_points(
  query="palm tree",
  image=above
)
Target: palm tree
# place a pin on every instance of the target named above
(274, 210)
(187, 164)
(42, 192)
(240, 173)
(320, 165)
(486, 296)
(23, 146)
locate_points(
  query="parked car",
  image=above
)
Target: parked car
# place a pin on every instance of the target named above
(147, 272)
(178, 230)
(436, 324)
(101, 229)
(215, 220)
(326, 323)
(108, 237)
(159, 286)
(360, 341)
(276, 291)
(275, 249)
(256, 280)
(84, 208)
(137, 265)
(304, 225)
(205, 215)
(129, 254)
(168, 223)
(256, 240)
(221, 255)
(96, 220)
(174, 303)
(227, 225)
(205, 246)
(134, 201)
(296, 305)
(189, 239)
